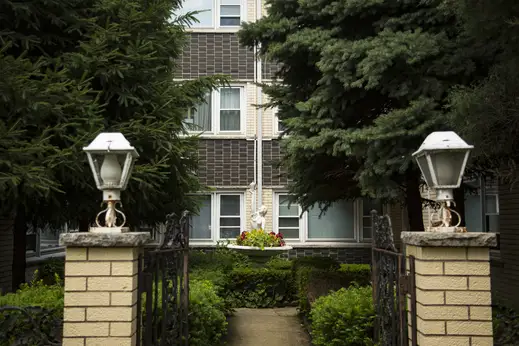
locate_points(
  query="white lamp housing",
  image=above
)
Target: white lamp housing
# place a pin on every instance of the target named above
(117, 156)
(442, 158)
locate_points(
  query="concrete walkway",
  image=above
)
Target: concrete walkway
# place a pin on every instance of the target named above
(266, 327)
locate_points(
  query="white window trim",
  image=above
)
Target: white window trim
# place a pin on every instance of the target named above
(304, 238)
(215, 216)
(215, 113)
(216, 20)
(497, 204)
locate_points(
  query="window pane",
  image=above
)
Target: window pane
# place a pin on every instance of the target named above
(284, 209)
(201, 224)
(229, 21)
(230, 221)
(290, 233)
(230, 205)
(230, 2)
(230, 120)
(491, 204)
(206, 17)
(229, 232)
(369, 204)
(366, 232)
(230, 98)
(230, 11)
(201, 117)
(288, 222)
(337, 222)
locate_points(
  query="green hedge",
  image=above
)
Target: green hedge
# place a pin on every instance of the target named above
(343, 318)
(260, 287)
(314, 282)
(207, 319)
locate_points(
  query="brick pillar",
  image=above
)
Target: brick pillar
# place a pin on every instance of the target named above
(101, 288)
(452, 287)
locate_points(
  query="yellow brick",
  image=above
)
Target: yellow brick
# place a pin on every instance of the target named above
(467, 268)
(123, 298)
(85, 329)
(87, 299)
(479, 283)
(113, 254)
(117, 341)
(87, 268)
(123, 328)
(114, 314)
(430, 297)
(482, 341)
(469, 328)
(75, 284)
(73, 342)
(442, 312)
(468, 298)
(76, 254)
(442, 253)
(429, 268)
(74, 314)
(443, 340)
(478, 253)
(438, 282)
(482, 313)
(126, 268)
(112, 283)
(411, 250)
(430, 327)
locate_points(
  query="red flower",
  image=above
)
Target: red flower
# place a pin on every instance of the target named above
(272, 233)
(279, 235)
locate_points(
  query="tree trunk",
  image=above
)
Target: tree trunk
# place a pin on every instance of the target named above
(19, 247)
(84, 223)
(414, 202)
(459, 199)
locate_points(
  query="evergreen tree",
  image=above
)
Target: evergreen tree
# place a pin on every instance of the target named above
(71, 69)
(360, 85)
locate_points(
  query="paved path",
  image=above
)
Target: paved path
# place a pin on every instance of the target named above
(267, 327)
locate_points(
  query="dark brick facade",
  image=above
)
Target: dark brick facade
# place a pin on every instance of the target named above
(219, 53)
(343, 255)
(272, 174)
(269, 69)
(226, 162)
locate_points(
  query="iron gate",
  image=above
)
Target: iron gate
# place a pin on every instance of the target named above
(163, 288)
(394, 292)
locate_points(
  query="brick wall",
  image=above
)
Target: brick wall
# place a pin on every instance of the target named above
(272, 175)
(6, 254)
(215, 53)
(505, 271)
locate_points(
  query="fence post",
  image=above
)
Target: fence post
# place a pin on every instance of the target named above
(453, 295)
(101, 288)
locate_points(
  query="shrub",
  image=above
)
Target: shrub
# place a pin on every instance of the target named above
(343, 318)
(222, 258)
(314, 262)
(279, 264)
(48, 269)
(260, 287)
(359, 273)
(207, 320)
(506, 325)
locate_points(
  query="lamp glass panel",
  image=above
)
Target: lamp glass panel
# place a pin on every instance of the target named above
(447, 166)
(424, 167)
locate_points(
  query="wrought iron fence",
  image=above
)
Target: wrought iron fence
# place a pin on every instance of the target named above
(163, 288)
(392, 285)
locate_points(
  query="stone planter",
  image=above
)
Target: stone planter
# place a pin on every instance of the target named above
(257, 255)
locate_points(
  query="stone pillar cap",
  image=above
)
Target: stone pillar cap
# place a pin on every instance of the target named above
(87, 239)
(434, 239)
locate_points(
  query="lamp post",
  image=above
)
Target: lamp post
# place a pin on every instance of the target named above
(442, 158)
(117, 157)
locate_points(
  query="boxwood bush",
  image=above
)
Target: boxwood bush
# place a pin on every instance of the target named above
(344, 317)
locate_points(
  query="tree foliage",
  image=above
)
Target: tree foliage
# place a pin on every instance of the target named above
(360, 84)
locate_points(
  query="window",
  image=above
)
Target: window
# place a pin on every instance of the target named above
(367, 206)
(473, 213)
(220, 217)
(337, 223)
(278, 124)
(222, 112)
(230, 216)
(43, 241)
(201, 223)
(215, 13)
(344, 221)
(200, 118)
(288, 222)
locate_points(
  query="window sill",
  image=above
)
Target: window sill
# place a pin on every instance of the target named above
(230, 30)
(216, 136)
(34, 260)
